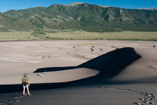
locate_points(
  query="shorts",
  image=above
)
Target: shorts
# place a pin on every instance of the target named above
(25, 86)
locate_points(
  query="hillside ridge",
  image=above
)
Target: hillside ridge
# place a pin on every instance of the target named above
(78, 16)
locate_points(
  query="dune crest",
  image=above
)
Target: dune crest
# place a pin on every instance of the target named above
(104, 66)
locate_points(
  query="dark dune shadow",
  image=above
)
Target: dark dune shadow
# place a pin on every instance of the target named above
(110, 62)
(18, 87)
(109, 65)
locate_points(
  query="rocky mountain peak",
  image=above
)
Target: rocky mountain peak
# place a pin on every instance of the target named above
(76, 3)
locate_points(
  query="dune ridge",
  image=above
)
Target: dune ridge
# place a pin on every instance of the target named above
(129, 70)
(109, 63)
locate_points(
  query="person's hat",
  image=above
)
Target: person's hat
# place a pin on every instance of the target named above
(24, 74)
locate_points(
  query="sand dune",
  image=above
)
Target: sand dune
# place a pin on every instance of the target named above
(107, 63)
(144, 69)
(53, 64)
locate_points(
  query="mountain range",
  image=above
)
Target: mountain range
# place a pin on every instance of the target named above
(152, 8)
(78, 16)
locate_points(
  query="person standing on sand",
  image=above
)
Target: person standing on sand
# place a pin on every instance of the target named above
(25, 83)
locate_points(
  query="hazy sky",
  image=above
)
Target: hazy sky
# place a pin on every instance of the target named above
(6, 5)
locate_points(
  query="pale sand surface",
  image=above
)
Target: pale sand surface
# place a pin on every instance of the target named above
(143, 69)
(126, 88)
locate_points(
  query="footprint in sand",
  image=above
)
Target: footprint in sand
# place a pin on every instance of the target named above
(13, 100)
(153, 67)
(43, 57)
(154, 46)
(92, 49)
(39, 74)
(101, 49)
(149, 102)
(138, 103)
(148, 98)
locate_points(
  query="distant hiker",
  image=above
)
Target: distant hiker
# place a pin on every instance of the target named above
(25, 83)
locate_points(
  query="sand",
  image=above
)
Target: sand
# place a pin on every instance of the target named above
(135, 84)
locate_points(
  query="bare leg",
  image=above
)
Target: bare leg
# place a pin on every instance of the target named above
(28, 90)
(23, 90)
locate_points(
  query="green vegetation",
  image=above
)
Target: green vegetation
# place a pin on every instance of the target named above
(38, 33)
(79, 35)
(17, 36)
(125, 35)
(78, 22)
(91, 18)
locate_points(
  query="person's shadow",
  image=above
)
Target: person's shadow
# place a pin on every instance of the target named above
(109, 65)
